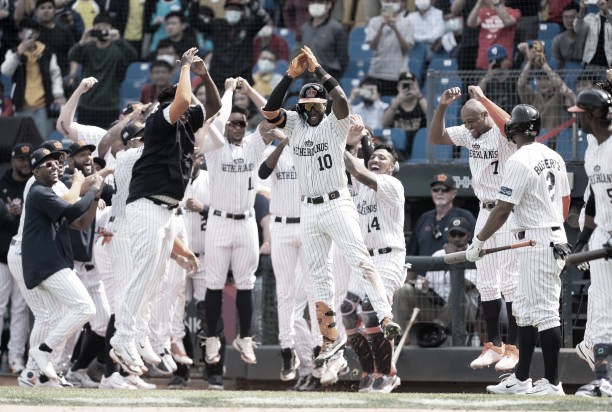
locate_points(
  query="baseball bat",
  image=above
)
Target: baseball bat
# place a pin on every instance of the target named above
(400, 345)
(577, 258)
(459, 257)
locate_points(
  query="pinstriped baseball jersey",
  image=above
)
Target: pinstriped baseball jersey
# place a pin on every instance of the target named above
(598, 167)
(381, 213)
(195, 223)
(535, 181)
(123, 175)
(488, 154)
(232, 170)
(315, 150)
(285, 200)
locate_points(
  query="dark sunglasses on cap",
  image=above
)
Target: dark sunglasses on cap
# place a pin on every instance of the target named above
(237, 123)
(456, 233)
(440, 189)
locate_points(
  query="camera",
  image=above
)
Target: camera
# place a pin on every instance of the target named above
(365, 93)
(99, 34)
(406, 85)
(27, 34)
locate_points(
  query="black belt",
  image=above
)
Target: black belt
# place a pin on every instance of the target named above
(488, 205)
(521, 235)
(13, 242)
(279, 219)
(158, 202)
(381, 251)
(235, 216)
(320, 199)
(111, 219)
(196, 254)
(89, 267)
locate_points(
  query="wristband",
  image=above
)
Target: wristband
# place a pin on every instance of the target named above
(330, 84)
(319, 71)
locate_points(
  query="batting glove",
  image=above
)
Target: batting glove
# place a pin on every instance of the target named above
(472, 254)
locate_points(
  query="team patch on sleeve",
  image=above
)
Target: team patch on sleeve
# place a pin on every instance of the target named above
(506, 191)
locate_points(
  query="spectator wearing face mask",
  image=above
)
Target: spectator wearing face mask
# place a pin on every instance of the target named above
(427, 24)
(267, 39)
(365, 101)
(232, 37)
(154, 13)
(264, 77)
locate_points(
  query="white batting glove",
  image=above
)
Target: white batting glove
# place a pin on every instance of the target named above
(472, 253)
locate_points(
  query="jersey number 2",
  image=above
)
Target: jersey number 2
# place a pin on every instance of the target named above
(325, 162)
(374, 225)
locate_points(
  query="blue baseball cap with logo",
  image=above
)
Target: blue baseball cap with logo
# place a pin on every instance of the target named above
(496, 52)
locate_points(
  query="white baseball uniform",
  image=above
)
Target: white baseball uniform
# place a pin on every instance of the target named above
(497, 273)
(232, 237)
(328, 212)
(598, 167)
(535, 181)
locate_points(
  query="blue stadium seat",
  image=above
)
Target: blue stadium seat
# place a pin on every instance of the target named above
(138, 71)
(416, 61)
(564, 144)
(397, 136)
(357, 36)
(130, 91)
(464, 154)
(348, 83)
(56, 136)
(442, 152)
(443, 64)
(419, 147)
(572, 71)
(281, 66)
(288, 35)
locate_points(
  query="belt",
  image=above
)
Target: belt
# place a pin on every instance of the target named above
(521, 235)
(320, 199)
(235, 216)
(111, 219)
(88, 267)
(488, 205)
(164, 201)
(196, 254)
(280, 219)
(380, 251)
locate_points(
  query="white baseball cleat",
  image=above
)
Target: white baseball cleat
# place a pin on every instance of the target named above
(585, 353)
(509, 360)
(246, 348)
(290, 363)
(127, 356)
(115, 381)
(386, 384)
(329, 349)
(490, 354)
(177, 349)
(80, 379)
(544, 387)
(138, 382)
(43, 360)
(213, 346)
(334, 367)
(511, 385)
(145, 350)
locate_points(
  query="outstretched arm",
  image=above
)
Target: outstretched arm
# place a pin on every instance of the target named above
(65, 121)
(213, 99)
(357, 169)
(182, 98)
(269, 164)
(499, 115)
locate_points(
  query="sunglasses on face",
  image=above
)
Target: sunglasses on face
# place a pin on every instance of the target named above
(456, 233)
(237, 123)
(440, 189)
(309, 106)
(49, 164)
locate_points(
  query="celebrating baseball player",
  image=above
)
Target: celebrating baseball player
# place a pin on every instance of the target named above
(592, 108)
(328, 214)
(496, 273)
(536, 188)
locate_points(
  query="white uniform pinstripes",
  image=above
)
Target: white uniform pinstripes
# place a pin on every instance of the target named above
(20, 315)
(103, 257)
(232, 243)
(45, 317)
(318, 158)
(195, 225)
(381, 217)
(598, 167)
(286, 250)
(497, 273)
(535, 181)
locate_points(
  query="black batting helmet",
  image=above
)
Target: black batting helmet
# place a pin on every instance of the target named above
(592, 101)
(428, 334)
(312, 93)
(524, 121)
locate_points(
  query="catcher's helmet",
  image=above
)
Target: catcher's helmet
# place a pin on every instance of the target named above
(428, 334)
(592, 100)
(524, 121)
(312, 93)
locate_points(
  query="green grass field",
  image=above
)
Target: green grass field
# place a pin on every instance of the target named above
(292, 400)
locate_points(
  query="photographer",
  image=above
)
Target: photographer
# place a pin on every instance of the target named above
(365, 101)
(408, 110)
(498, 84)
(104, 55)
(55, 36)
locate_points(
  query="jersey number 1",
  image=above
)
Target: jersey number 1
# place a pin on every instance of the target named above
(325, 162)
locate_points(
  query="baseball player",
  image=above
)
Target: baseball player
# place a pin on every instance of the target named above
(380, 204)
(159, 178)
(592, 108)
(232, 237)
(12, 184)
(328, 214)
(50, 268)
(496, 273)
(536, 188)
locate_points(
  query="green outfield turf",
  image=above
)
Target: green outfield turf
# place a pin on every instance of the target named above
(292, 400)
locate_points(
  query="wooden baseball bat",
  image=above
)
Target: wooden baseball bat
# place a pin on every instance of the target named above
(459, 257)
(400, 345)
(577, 258)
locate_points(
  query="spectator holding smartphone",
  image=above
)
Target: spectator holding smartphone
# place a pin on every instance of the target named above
(408, 110)
(365, 101)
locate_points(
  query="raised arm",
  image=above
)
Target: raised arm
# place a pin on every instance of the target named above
(268, 165)
(340, 105)
(357, 169)
(258, 100)
(213, 99)
(437, 131)
(499, 115)
(65, 121)
(182, 98)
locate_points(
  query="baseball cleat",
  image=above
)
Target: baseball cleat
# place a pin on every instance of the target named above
(586, 354)
(177, 349)
(115, 381)
(590, 390)
(544, 387)
(43, 360)
(511, 385)
(138, 382)
(245, 346)
(290, 364)
(386, 384)
(213, 345)
(509, 360)
(335, 366)
(80, 379)
(328, 350)
(145, 350)
(490, 354)
(128, 358)
(366, 382)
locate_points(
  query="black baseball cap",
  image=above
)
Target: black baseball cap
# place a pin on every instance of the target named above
(22, 150)
(130, 131)
(100, 162)
(40, 155)
(406, 76)
(80, 146)
(444, 179)
(460, 224)
(54, 146)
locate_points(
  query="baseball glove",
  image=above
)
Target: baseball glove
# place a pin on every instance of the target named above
(538, 58)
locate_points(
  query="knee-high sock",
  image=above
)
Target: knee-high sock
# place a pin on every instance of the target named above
(363, 350)
(92, 344)
(512, 326)
(491, 310)
(244, 304)
(550, 339)
(601, 352)
(383, 354)
(109, 366)
(213, 303)
(527, 337)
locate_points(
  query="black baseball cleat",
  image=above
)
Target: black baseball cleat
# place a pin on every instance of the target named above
(311, 384)
(290, 364)
(390, 329)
